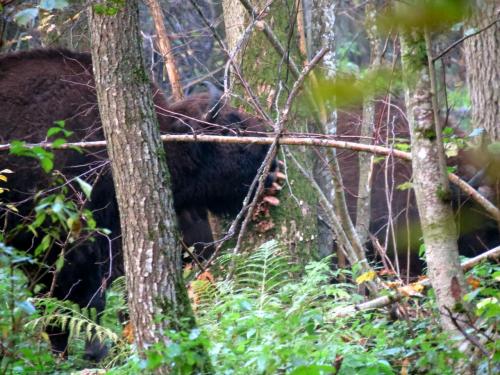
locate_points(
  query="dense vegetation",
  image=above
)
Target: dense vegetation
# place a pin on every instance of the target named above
(289, 299)
(274, 316)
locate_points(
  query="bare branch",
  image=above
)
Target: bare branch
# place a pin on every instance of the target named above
(273, 39)
(266, 164)
(454, 44)
(473, 340)
(320, 141)
(253, 98)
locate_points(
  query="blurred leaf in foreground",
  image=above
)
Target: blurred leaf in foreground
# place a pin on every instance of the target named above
(346, 90)
(433, 15)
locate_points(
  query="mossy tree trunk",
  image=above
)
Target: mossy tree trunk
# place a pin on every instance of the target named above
(157, 295)
(267, 72)
(436, 215)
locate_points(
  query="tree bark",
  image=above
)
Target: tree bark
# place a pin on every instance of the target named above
(482, 57)
(157, 295)
(436, 215)
(320, 23)
(293, 221)
(323, 34)
(365, 161)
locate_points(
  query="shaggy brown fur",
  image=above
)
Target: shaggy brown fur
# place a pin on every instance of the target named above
(40, 87)
(392, 206)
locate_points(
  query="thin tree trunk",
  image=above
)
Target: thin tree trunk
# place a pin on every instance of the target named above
(321, 27)
(157, 296)
(165, 48)
(365, 161)
(234, 25)
(482, 57)
(436, 215)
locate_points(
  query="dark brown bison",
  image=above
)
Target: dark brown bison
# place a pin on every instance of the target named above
(38, 88)
(394, 221)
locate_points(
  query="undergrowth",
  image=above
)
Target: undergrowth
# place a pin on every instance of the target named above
(270, 317)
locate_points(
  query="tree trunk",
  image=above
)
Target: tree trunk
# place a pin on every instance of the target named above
(436, 215)
(320, 24)
(365, 161)
(482, 57)
(165, 48)
(293, 221)
(157, 296)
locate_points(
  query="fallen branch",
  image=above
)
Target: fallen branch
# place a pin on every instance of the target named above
(319, 141)
(400, 293)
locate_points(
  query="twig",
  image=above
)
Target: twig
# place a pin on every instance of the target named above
(473, 340)
(273, 39)
(435, 110)
(253, 98)
(315, 140)
(454, 44)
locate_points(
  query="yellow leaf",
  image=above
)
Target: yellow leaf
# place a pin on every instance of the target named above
(367, 276)
(412, 290)
(45, 337)
(393, 284)
(3, 178)
(473, 282)
(128, 333)
(12, 207)
(418, 287)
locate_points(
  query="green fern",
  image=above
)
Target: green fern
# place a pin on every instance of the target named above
(78, 321)
(263, 272)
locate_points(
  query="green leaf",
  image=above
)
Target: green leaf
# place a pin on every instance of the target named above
(402, 146)
(405, 186)
(47, 164)
(313, 370)
(53, 131)
(58, 142)
(19, 148)
(86, 187)
(421, 250)
(26, 16)
(434, 15)
(27, 307)
(448, 131)
(53, 4)
(60, 123)
(58, 206)
(44, 245)
(60, 262)
(40, 218)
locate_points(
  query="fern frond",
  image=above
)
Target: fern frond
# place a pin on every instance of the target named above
(263, 272)
(203, 293)
(70, 316)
